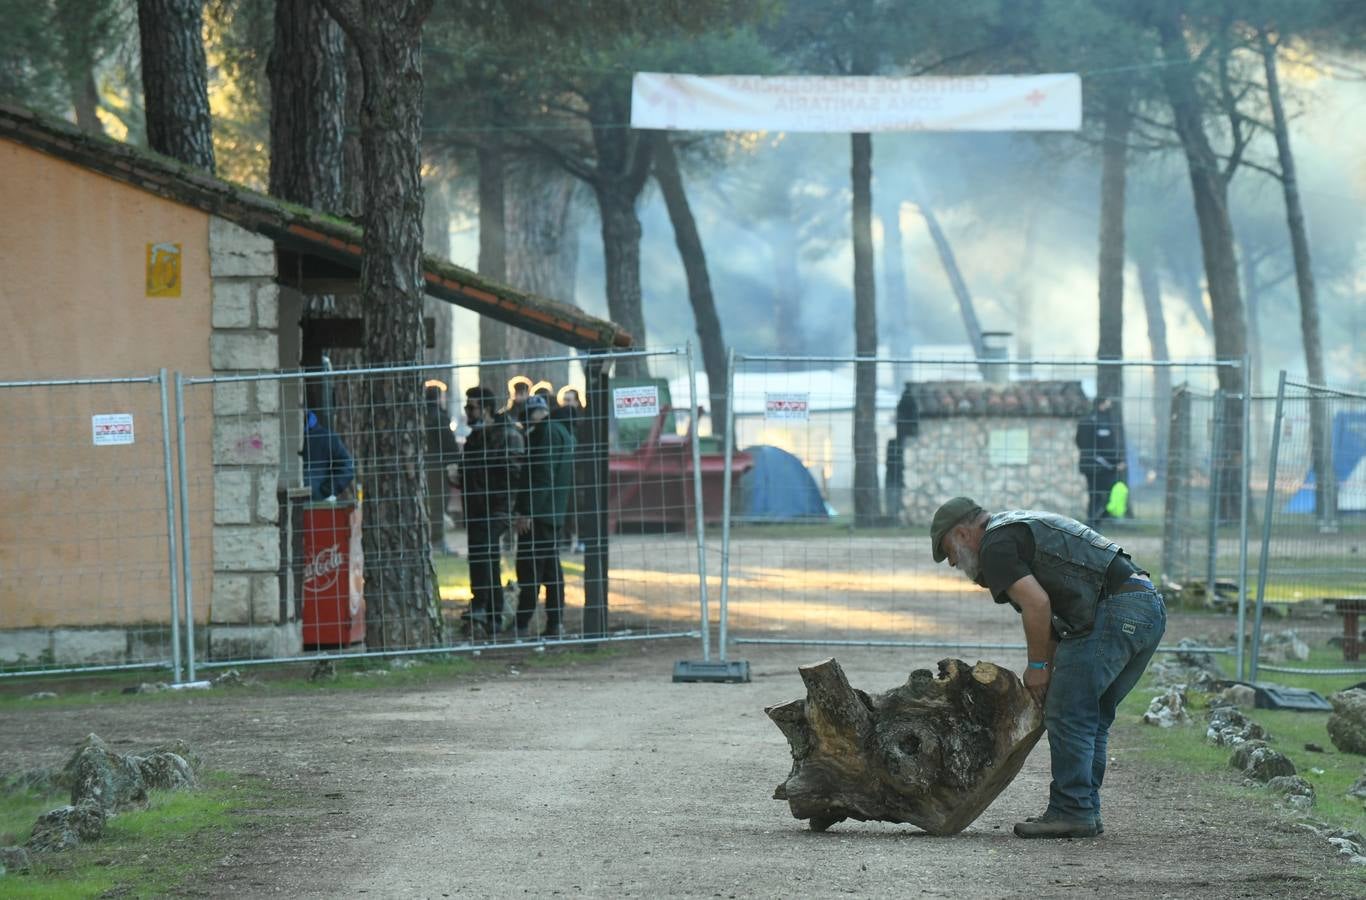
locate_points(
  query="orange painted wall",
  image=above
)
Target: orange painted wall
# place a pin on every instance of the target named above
(82, 527)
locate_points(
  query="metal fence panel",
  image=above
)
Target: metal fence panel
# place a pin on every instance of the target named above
(282, 565)
(1311, 577)
(87, 536)
(1004, 432)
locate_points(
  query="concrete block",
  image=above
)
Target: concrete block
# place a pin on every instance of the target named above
(28, 646)
(231, 601)
(232, 398)
(238, 548)
(244, 351)
(268, 305)
(236, 252)
(232, 496)
(265, 599)
(255, 642)
(246, 442)
(268, 396)
(267, 499)
(76, 646)
(232, 303)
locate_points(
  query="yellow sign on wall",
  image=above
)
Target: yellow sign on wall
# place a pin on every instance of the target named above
(163, 270)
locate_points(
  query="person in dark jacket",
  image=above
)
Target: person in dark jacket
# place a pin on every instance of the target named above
(490, 468)
(1092, 621)
(542, 501)
(570, 413)
(328, 467)
(441, 451)
(1100, 444)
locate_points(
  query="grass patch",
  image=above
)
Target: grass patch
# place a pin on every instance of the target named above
(1185, 748)
(142, 853)
(453, 575)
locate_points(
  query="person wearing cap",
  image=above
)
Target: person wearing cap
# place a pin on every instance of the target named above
(1092, 621)
(542, 500)
(490, 468)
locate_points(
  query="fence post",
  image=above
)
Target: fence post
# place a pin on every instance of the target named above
(1266, 524)
(726, 501)
(171, 554)
(699, 513)
(184, 526)
(1244, 501)
(1178, 452)
(595, 563)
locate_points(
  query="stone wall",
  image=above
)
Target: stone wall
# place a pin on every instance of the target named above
(246, 617)
(953, 456)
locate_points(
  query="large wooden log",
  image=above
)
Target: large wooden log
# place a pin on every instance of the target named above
(933, 752)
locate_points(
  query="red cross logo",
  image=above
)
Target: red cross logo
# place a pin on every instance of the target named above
(1035, 97)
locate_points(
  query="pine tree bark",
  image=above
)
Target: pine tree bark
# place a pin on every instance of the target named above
(175, 80)
(399, 589)
(493, 336)
(1150, 286)
(867, 495)
(689, 241)
(933, 752)
(79, 24)
(1210, 189)
(1114, 162)
(621, 261)
(307, 71)
(1320, 425)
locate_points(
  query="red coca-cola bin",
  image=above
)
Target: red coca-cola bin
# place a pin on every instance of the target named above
(334, 576)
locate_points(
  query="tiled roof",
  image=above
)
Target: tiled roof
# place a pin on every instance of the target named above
(299, 229)
(1028, 399)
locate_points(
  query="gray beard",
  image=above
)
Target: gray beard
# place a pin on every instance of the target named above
(969, 564)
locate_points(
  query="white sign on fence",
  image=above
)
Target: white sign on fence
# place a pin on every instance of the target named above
(790, 406)
(636, 402)
(856, 103)
(112, 428)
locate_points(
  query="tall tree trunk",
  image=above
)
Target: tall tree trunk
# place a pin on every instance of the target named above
(399, 585)
(492, 254)
(79, 26)
(1320, 434)
(353, 160)
(1186, 271)
(1150, 285)
(175, 80)
(436, 240)
(307, 71)
(542, 252)
(971, 325)
(784, 247)
(1210, 189)
(867, 496)
(690, 250)
(621, 258)
(1110, 379)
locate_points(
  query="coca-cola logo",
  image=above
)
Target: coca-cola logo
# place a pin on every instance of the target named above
(321, 571)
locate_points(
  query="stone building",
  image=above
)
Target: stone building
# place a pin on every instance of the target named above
(118, 263)
(1009, 445)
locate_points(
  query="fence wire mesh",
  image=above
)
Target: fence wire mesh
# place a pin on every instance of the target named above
(405, 510)
(86, 581)
(1311, 576)
(827, 534)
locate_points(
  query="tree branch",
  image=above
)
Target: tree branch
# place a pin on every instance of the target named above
(573, 166)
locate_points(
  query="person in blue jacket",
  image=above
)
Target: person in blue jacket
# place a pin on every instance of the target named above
(328, 467)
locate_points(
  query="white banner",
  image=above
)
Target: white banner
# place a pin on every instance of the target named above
(792, 406)
(111, 429)
(856, 103)
(636, 402)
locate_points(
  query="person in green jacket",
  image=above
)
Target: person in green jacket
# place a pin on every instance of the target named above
(542, 500)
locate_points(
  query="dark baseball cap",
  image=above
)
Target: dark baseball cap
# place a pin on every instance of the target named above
(945, 517)
(536, 401)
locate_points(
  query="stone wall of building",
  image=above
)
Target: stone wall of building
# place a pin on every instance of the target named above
(955, 456)
(246, 617)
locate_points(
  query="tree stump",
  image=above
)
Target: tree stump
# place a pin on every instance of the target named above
(933, 752)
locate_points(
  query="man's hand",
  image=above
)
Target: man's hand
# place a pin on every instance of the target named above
(1036, 682)
(523, 524)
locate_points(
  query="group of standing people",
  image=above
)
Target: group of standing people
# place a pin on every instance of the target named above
(516, 475)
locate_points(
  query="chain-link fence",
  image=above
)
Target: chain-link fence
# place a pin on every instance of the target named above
(87, 578)
(1311, 575)
(826, 537)
(413, 509)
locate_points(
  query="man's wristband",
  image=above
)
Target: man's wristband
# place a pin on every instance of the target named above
(1038, 664)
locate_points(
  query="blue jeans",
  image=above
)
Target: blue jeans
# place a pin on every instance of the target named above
(1091, 675)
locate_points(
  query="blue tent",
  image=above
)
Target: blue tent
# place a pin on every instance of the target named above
(1349, 465)
(780, 489)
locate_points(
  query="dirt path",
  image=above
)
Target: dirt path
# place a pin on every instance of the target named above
(607, 780)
